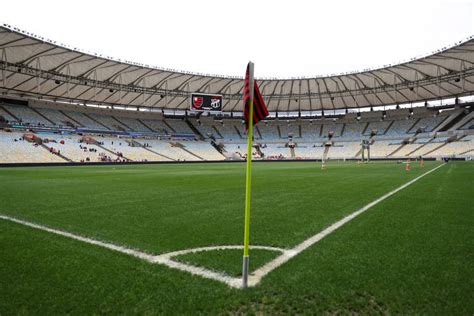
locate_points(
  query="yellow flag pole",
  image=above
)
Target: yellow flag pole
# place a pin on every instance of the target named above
(245, 263)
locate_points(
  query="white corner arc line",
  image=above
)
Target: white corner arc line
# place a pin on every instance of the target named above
(254, 278)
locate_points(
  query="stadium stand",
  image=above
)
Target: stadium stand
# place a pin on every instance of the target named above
(382, 148)
(269, 131)
(395, 137)
(71, 147)
(334, 128)
(27, 115)
(133, 124)
(399, 127)
(111, 123)
(6, 115)
(84, 121)
(179, 126)
(235, 151)
(157, 126)
(310, 131)
(229, 129)
(468, 125)
(344, 150)
(172, 150)
(55, 116)
(427, 124)
(206, 128)
(276, 151)
(203, 149)
(290, 129)
(309, 151)
(379, 128)
(354, 130)
(17, 150)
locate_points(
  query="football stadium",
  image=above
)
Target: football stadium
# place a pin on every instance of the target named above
(128, 188)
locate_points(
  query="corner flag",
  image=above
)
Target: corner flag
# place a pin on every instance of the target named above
(252, 115)
(260, 110)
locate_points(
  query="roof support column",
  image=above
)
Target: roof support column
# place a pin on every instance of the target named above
(417, 85)
(143, 94)
(373, 95)
(3, 56)
(299, 96)
(166, 93)
(95, 86)
(228, 88)
(395, 89)
(38, 78)
(120, 90)
(438, 71)
(310, 98)
(68, 87)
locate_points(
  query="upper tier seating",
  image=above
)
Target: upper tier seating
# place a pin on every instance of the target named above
(57, 117)
(133, 124)
(468, 125)
(6, 116)
(157, 126)
(380, 127)
(292, 129)
(427, 124)
(110, 122)
(228, 129)
(180, 126)
(354, 130)
(85, 121)
(332, 127)
(311, 131)
(205, 128)
(399, 127)
(269, 131)
(27, 115)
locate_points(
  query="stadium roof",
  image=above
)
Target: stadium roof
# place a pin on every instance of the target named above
(36, 67)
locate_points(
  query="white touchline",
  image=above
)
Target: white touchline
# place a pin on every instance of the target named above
(258, 274)
(167, 258)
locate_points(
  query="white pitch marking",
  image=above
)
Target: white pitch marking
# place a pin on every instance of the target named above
(128, 251)
(258, 274)
(169, 255)
(164, 259)
(167, 260)
(254, 278)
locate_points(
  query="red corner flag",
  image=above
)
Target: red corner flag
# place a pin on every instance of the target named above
(259, 109)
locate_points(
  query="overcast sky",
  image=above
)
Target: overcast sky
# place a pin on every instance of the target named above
(284, 38)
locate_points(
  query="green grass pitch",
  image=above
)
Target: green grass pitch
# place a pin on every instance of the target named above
(413, 253)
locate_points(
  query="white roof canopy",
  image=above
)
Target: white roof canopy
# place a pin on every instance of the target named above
(36, 67)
